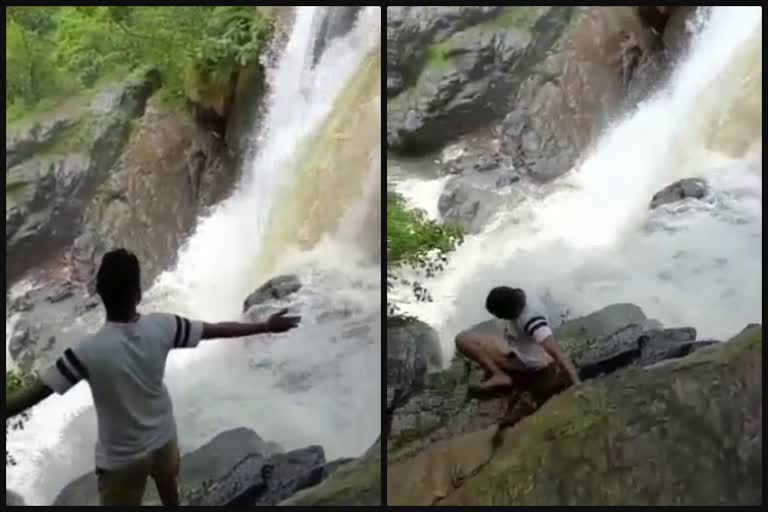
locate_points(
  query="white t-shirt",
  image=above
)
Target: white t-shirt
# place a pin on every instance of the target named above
(124, 364)
(526, 333)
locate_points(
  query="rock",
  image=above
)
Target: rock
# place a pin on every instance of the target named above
(441, 409)
(166, 150)
(277, 288)
(13, 500)
(687, 433)
(56, 166)
(357, 483)
(410, 31)
(472, 199)
(581, 83)
(258, 481)
(695, 188)
(335, 23)
(634, 346)
(210, 463)
(600, 324)
(468, 77)
(22, 346)
(412, 348)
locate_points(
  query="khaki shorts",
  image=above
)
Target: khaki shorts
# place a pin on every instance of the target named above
(125, 486)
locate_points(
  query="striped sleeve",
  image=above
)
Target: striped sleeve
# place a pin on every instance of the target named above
(186, 333)
(65, 373)
(537, 327)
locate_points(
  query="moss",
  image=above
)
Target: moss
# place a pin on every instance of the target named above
(438, 56)
(522, 17)
(358, 483)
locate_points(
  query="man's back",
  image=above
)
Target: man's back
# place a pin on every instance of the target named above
(124, 364)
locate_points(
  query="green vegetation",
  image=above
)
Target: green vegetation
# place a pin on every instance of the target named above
(522, 17)
(438, 56)
(14, 381)
(53, 52)
(412, 238)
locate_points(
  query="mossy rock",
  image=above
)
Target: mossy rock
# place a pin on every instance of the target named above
(355, 484)
(686, 433)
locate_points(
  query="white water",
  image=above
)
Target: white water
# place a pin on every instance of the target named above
(589, 240)
(319, 384)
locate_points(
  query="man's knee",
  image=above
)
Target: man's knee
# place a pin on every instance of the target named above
(466, 342)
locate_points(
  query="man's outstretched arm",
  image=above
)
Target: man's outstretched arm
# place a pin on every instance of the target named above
(278, 322)
(26, 398)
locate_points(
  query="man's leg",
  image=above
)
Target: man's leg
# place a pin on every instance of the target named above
(165, 470)
(124, 486)
(484, 350)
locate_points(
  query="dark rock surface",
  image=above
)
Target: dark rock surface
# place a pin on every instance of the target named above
(695, 188)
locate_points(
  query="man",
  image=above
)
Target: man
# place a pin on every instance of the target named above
(520, 353)
(124, 364)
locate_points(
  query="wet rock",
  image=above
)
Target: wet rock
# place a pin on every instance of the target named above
(335, 23)
(695, 188)
(258, 481)
(412, 348)
(277, 288)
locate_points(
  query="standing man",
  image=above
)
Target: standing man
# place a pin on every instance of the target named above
(124, 364)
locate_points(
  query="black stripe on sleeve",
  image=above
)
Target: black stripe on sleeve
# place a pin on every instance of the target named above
(187, 328)
(536, 327)
(532, 321)
(75, 363)
(65, 372)
(178, 332)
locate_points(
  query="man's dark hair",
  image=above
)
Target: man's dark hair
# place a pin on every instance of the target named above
(118, 281)
(505, 302)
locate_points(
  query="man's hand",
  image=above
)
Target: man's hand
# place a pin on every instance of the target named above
(281, 323)
(553, 349)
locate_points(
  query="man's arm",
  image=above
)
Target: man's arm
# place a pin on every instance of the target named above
(278, 322)
(26, 398)
(553, 349)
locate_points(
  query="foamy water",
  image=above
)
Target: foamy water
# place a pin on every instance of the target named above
(319, 384)
(593, 241)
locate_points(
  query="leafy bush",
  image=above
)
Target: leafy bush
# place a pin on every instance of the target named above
(414, 239)
(54, 51)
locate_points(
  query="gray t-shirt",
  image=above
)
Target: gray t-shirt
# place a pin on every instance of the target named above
(525, 334)
(124, 364)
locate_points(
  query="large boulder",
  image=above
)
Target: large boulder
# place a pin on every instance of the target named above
(259, 481)
(410, 31)
(166, 150)
(687, 433)
(276, 289)
(56, 164)
(473, 198)
(695, 188)
(470, 76)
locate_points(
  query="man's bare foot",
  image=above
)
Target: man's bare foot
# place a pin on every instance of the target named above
(494, 382)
